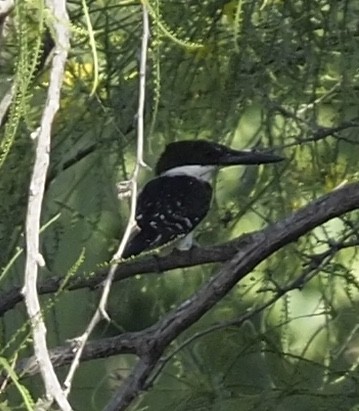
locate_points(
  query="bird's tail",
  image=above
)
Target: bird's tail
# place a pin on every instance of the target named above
(141, 241)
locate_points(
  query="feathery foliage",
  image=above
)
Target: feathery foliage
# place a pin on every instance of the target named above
(276, 74)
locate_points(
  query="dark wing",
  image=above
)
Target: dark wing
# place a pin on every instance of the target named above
(168, 207)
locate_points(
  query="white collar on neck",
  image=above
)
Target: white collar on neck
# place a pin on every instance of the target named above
(204, 173)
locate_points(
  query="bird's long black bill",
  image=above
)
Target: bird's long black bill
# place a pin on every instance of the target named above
(238, 157)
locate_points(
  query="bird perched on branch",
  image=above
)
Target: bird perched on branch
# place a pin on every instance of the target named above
(173, 203)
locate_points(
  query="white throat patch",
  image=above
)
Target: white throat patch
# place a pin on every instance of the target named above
(204, 173)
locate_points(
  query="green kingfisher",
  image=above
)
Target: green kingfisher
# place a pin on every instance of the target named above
(178, 198)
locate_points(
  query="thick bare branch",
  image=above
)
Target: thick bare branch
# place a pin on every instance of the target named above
(150, 343)
(259, 246)
(143, 265)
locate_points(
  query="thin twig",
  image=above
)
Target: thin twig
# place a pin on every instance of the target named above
(5, 103)
(36, 192)
(5, 9)
(101, 310)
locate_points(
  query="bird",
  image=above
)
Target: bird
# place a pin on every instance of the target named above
(177, 199)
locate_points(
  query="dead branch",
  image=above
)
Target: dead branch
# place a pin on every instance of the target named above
(151, 343)
(36, 192)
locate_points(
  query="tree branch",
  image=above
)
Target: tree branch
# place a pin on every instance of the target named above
(261, 245)
(143, 265)
(36, 192)
(150, 343)
(101, 309)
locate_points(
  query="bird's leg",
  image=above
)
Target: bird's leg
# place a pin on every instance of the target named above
(185, 243)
